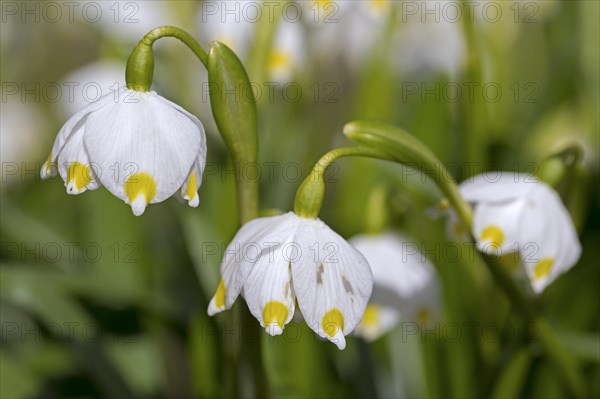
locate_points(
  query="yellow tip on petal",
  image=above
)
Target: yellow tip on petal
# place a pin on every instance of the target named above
(542, 268)
(423, 316)
(191, 193)
(371, 316)
(275, 313)
(333, 322)
(217, 303)
(78, 177)
(492, 236)
(220, 295)
(278, 60)
(140, 184)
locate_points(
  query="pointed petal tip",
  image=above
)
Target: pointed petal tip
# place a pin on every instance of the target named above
(273, 329)
(72, 189)
(213, 309)
(193, 202)
(139, 205)
(339, 340)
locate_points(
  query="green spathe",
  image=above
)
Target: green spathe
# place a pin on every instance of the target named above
(234, 109)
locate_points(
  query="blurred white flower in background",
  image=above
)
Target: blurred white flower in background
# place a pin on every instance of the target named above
(517, 213)
(406, 286)
(126, 20)
(288, 52)
(20, 132)
(430, 47)
(225, 22)
(89, 83)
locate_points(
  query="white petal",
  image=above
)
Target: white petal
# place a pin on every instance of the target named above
(497, 186)
(246, 248)
(551, 246)
(268, 290)
(74, 165)
(73, 124)
(332, 281)
(189, 190)
(403, 279)
(143, 146)
(497, 226)
(377, 321)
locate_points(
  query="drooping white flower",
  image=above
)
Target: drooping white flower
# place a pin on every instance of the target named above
(287, 52)
(275, 260)
(140, 146)
(405, 285)
(515, 212)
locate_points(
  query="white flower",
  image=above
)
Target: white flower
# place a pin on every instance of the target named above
(227, 23)
(514, 212)
(429, 47)
(140, 146)
(287, 53)
(90, 82)
(405, 285)
(275, 260)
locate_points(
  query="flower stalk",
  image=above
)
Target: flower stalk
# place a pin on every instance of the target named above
(406, 149)
(309, 197)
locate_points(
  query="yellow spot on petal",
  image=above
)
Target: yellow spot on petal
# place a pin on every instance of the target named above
(220, 295)
(423, 316)
(79, 174)
(332, 322)
(494, 236)
(378, 4)
(371, 316)
(48, 164)
(278, 60)
(542, 269)
(275, 312)
(191, 188)
(140, 184)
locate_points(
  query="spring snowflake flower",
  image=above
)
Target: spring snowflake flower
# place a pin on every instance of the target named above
(277, 260)
(514, 212)
(140, 146)
(405, 285)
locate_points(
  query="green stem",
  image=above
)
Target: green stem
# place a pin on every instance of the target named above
(140, 65)
(564, 363)
(309, 197)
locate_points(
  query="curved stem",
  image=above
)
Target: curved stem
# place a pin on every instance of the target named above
(309, 197)
(173, 31)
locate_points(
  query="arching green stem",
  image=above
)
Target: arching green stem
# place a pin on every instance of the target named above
(140, 66)
(406, 149)
(309, 197)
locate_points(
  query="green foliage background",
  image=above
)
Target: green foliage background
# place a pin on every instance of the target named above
(130, 320)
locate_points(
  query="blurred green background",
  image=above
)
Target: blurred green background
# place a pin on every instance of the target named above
(95, 302)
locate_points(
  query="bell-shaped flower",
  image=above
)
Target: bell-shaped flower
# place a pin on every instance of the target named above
(288, 50)
(274, 261)
(406, 286)
(140, 146)
(515, 212)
